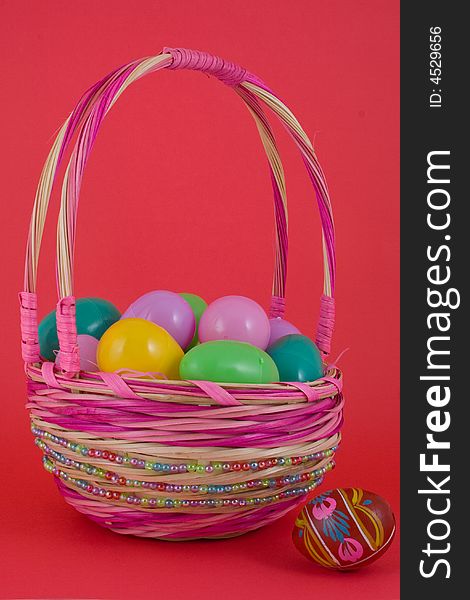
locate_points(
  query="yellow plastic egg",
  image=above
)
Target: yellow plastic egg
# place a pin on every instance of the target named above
(139, 345)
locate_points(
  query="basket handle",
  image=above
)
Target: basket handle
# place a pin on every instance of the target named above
(94, 107)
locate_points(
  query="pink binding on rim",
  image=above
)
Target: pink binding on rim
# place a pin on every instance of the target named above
(173, 429)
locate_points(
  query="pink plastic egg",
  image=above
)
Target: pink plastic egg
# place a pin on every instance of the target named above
(280, 328)
(87, 346)
(168, 310)
(235, 318)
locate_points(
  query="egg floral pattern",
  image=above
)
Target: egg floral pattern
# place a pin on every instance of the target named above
(344, 528)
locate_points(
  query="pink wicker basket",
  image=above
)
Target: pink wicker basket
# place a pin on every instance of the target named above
(176, 459)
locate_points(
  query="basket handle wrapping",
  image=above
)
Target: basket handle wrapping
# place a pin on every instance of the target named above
(87, 118)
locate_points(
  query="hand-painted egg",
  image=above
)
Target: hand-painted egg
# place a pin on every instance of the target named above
(297, 358)
(94, 316)
(345, 528)
(228, 362)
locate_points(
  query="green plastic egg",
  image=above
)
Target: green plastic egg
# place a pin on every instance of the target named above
(198, 306)
(94, 316)
(297, 358)
(227, 361)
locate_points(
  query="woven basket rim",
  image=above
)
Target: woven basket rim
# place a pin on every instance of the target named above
(186, 392)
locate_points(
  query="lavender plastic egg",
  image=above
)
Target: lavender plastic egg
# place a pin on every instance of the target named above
(280, 328)
(168, 310)
(87, 345)
(235, 318)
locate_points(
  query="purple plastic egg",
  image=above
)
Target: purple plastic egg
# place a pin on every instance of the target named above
(280, 328)
(235, 318)
(168, 310)
(87, 345)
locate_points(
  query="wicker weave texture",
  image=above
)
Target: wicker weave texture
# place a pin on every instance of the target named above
(177, 459)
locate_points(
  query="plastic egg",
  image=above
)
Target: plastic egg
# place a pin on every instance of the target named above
(139, 345)
(344, 528)
(168, 310)
(279, 328)
(94, 316)
(228, 362)
(198, 306)
(87, 346)
(297, 358)
(235, 318)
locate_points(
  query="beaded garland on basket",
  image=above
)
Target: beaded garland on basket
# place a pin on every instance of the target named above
(177, 459)
(306, 481)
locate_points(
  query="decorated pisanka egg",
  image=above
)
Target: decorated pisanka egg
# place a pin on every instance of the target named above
(345, 528)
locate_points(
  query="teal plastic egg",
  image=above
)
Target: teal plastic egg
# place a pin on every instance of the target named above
(297, 358)
(94, 317)
(227, 361)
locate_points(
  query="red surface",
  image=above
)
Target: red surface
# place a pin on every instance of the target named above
(177, 196)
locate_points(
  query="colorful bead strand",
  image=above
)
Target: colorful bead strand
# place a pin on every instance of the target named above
(160, 466)
(146, 502)
(114, 477)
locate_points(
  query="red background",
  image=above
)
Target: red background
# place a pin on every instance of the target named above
(177, 196)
